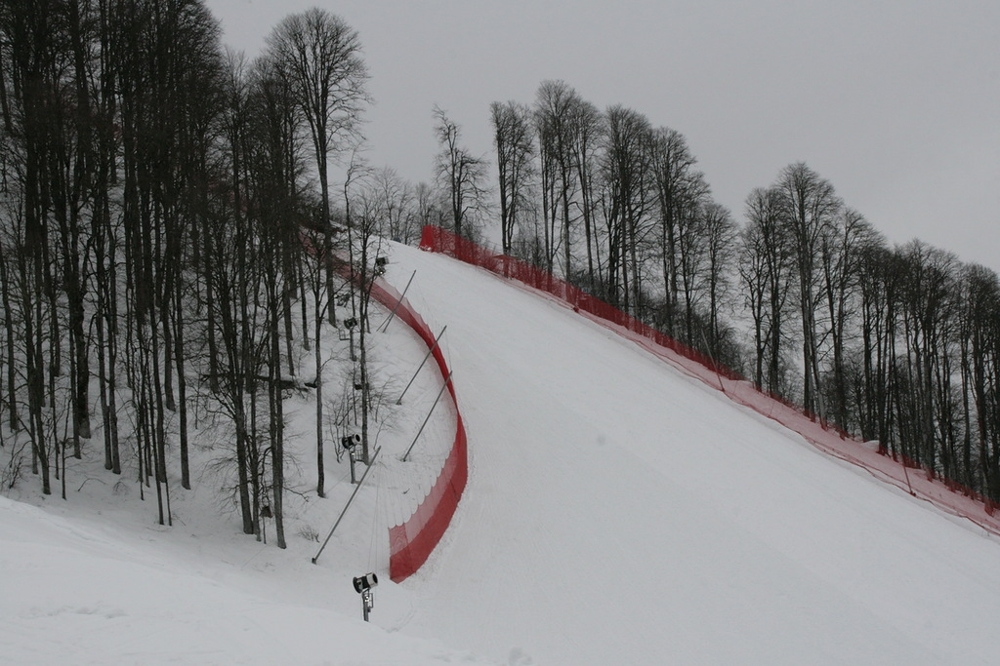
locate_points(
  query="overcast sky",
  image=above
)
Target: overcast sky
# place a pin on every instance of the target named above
(897, 103)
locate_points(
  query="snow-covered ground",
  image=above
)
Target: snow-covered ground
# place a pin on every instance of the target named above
(76, 592)
(617, 512)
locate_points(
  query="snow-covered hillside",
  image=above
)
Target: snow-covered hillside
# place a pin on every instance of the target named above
(78, 592)
(616, 512)
(620, 513)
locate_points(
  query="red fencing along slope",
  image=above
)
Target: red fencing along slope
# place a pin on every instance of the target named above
(411, 543)
(827, 438)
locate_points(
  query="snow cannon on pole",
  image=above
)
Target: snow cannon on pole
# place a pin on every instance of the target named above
(365, 586)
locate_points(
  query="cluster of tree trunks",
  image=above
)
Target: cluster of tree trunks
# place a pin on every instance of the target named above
(152, 192)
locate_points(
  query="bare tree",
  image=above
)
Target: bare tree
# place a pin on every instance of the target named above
(720, 250)
(766, 275)
(980, 341)
(555, 104)
(673, 168)
(428, 205)
(321, 56)
(840, 250)
(877, 284)
(691, 246)
(460, 174)
(810, 206)
(397, 199)
(368, 225)
(512, 139)
(628, 198)
(588, 127)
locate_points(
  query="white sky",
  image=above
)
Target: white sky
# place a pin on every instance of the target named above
(897, 103)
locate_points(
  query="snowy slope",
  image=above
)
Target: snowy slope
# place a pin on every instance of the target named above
(618, 512)
(74, 592)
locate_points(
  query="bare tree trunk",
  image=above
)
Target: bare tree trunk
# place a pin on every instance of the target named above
(181, 385)
(320, 468)
(14, 422)
(277, 424)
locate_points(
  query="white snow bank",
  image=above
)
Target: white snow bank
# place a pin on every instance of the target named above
(75, 593)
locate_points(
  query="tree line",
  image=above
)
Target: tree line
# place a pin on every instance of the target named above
(805, 298)
(156, 191)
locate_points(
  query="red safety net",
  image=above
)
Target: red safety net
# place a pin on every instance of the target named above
(411, 543)
(944, 494)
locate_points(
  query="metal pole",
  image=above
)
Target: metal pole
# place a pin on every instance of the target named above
(443, 387)
(366, 603)
(427, 356)
(347, 506)
(392, 314)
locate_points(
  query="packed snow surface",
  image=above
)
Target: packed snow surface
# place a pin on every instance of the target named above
(617, 512)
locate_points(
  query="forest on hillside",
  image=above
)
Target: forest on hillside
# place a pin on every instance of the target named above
(167, 245)
(155, 189)
(805, 297)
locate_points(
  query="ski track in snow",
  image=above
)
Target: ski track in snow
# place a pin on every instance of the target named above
(618, 511)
